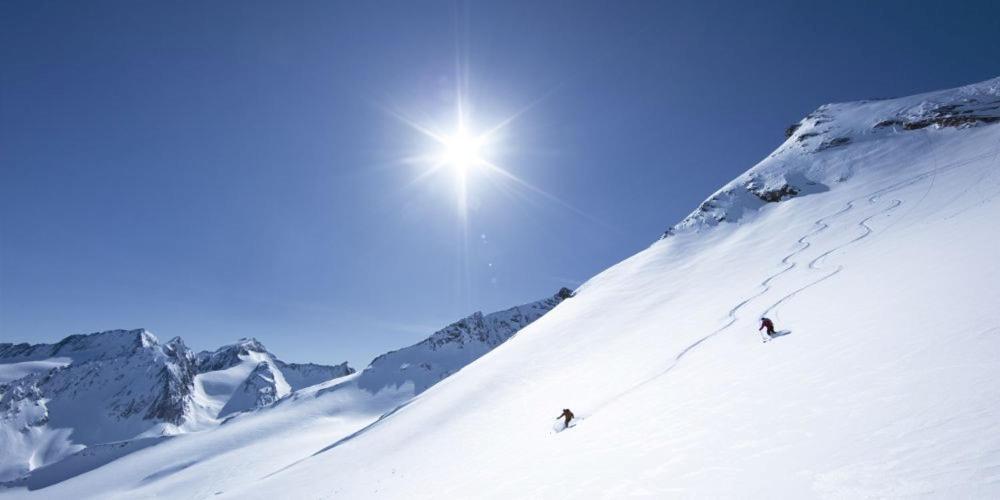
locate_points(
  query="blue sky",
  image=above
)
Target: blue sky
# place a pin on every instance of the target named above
(224, 169)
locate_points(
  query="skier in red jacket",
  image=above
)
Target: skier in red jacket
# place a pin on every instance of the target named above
(766, 323)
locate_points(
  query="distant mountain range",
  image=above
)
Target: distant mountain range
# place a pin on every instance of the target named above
(120, 385)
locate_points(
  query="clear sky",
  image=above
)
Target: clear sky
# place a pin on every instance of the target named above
(223, 169)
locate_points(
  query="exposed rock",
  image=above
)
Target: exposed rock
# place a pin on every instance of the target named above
(774, 195)
(968, 113)
(262, 387)
(889, 123)
(951, 121)
(175, 384)
(731, 203)
(833, 143)
(228, 356)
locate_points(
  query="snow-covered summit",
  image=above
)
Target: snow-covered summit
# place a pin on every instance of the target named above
(262, 387)
(449, 349)
(228, 355)
(803, 165)
(298, 375)
(82, 347)
(87, 389)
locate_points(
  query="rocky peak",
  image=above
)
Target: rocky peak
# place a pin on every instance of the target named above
(84, 347)
(261, 388)
(228, 355)
(247, 345)
(176, 349)
(449, 349)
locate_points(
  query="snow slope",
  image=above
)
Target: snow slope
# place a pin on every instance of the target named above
(255, 395)
(872, 241)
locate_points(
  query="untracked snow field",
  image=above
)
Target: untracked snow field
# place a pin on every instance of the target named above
(886, 386)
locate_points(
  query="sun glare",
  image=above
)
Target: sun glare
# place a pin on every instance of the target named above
(462, 151)
(466, 154)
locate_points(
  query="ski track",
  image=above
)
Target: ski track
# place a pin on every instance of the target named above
(815, 262)
(822, 225)
(984, 198)
(977, 185)
(819, 226)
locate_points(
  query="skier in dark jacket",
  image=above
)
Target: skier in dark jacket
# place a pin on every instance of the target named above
(568, 415)
(766, 323)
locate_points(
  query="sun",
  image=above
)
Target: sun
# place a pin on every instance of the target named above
(462, 150)
(468, 153)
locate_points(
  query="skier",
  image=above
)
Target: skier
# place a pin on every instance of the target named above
(568, 415)
(766, 323)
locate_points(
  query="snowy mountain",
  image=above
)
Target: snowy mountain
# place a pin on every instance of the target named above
(446, 351)
(245, 376)
(117, 385)
(202, 390)
(88, 389)
(868, 236)
(296, 375)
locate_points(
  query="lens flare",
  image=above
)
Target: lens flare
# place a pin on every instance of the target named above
(462, 150)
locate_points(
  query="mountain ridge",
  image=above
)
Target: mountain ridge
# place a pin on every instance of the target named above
(194, 392)
(121, 384)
